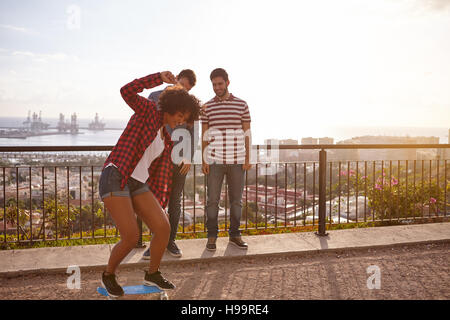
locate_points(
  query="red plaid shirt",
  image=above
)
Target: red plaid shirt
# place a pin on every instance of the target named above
(140, 132)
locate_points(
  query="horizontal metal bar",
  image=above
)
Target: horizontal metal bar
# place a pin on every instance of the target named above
(362, 146)
(54, 148)
(257, 147)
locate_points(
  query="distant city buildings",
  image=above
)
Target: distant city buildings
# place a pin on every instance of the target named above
(445, 153)
(387, 154)
(299, 155)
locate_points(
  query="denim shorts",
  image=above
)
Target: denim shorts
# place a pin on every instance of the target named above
(110, 181)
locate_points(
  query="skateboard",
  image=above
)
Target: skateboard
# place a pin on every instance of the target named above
(140, 289)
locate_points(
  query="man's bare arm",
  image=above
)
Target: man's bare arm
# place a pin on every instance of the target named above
(247, 135)
(205, 166)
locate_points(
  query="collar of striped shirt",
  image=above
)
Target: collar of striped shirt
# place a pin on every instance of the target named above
(230, 97)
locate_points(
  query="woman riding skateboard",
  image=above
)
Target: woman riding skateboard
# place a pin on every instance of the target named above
(136, 176)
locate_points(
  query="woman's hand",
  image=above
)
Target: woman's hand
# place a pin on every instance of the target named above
(168, 77)
(184, 168)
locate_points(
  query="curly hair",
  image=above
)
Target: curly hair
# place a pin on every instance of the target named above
(176, 99)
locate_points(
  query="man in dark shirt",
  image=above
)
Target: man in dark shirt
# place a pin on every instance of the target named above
(187, 79)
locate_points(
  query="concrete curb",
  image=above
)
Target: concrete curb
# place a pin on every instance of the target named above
(13, 274)
(94, 257)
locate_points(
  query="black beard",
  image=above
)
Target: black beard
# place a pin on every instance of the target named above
(224, 93)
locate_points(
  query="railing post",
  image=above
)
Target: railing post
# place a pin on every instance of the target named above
(322, 192)
(140, 244)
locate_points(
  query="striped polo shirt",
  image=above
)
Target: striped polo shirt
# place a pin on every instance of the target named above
(225, 135)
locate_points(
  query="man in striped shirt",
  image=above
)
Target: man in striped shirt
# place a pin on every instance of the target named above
(225, 152)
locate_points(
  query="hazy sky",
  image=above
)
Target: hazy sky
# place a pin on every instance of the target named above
(308, 64)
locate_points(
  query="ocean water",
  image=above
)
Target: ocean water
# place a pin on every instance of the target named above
(17, 122)
(110, 137)
(83, 138)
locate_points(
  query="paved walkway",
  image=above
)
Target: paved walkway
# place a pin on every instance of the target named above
(94, 257)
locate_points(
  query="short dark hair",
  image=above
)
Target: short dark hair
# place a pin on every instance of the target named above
(219, 72)
(176, 99)
(189, 74)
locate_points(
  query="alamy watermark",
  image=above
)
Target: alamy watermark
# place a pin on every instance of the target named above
(74, 280)
(73, 21)
(267, 156)
(374, 281)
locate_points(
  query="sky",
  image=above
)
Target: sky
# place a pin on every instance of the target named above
(298, 64)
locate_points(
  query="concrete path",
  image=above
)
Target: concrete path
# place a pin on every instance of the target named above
(96, 256)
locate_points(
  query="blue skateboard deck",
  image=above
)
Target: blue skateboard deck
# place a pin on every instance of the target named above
(140, 289)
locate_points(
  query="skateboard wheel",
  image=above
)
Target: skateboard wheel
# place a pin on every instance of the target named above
(163, 296)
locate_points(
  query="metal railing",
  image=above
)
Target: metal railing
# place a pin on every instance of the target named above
(60, 202)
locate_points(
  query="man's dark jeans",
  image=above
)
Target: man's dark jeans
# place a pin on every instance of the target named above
(174, 206)
(235, 179)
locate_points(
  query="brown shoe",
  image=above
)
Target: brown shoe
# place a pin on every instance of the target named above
(211, 245)
(238, 242)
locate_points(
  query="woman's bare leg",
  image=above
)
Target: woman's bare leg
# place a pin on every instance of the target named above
(122, 212)
(150, 211)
